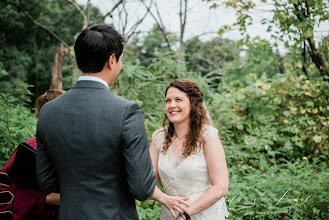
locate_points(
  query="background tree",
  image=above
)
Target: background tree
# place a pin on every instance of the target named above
(210, 58)
(26, 49)
(257, 58)
(146, 49)
(297, 22)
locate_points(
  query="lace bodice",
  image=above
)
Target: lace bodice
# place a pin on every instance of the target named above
(188, 177)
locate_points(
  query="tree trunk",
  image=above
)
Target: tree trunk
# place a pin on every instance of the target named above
(74, 69)
(304, 56)
(182, 19)
(317, 59)
(57, 72)
(36, 61)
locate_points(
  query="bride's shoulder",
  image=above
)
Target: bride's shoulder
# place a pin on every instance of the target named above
(158, 135)
(160, 131)
(209, 131)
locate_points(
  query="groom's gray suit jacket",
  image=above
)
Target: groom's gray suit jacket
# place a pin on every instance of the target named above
(93, 144)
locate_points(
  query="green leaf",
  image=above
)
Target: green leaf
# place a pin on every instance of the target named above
(310, 103)
(317, 139)
(221, 31)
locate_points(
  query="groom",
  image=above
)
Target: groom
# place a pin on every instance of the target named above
(92, 144)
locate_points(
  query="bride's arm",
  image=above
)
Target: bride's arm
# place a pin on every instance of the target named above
(218, 176)
(171, 202)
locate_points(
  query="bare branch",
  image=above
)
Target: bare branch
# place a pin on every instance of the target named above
(182, 19)
(88, 15)
(135, 26)
(110, 12)
(125, 23)
(160, 24)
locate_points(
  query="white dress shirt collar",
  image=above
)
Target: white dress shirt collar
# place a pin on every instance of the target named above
(93, 78)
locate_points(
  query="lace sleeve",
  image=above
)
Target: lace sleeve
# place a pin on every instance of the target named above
(158, 138)
(209, 131)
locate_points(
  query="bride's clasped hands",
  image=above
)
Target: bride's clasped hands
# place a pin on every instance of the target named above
(175, 203)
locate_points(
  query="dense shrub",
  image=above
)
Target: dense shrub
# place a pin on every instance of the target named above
(17, 124)
(275, 133)
(284, 117)
(288, 190)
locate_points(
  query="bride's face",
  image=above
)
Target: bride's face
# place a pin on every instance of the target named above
(178, 106)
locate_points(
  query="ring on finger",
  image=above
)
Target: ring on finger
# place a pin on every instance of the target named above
(179, 201)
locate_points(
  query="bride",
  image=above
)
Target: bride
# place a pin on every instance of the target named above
(189, 158)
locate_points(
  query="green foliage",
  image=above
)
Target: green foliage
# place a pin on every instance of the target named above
(147, 49)
(209, 58)
(286, 191)
(27, 50)
(285, 117)
(16, 125)
(15, 86)
(148, 209)
(275, 135)
(258, 59)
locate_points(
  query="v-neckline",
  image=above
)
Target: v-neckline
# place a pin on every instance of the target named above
(180, 163)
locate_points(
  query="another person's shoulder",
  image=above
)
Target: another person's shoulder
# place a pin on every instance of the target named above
(56, 102)
(32, 142)
(122, 101)
(49, 108)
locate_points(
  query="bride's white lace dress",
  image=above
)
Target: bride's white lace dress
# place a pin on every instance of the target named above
(188, 177)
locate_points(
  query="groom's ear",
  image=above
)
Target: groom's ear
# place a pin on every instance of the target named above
(111, 61)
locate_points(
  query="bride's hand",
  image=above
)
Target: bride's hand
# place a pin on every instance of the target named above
(176, 203)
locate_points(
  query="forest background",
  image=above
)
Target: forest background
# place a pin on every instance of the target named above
(271, 108)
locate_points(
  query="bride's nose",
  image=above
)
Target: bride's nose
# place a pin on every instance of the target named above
(172, 103)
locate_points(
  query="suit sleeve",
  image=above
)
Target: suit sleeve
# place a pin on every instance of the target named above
(138, 164)
(46, 171)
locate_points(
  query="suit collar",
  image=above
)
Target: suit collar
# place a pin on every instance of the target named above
(89, 84)
(93, 78)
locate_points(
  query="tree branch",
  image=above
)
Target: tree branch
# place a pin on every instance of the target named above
(182, 19)
(135, 26)
(160, 24)
(110, 12)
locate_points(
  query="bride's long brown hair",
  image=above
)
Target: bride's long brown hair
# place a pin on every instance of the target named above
(198, 118)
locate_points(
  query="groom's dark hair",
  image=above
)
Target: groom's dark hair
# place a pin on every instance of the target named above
(95, 45)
